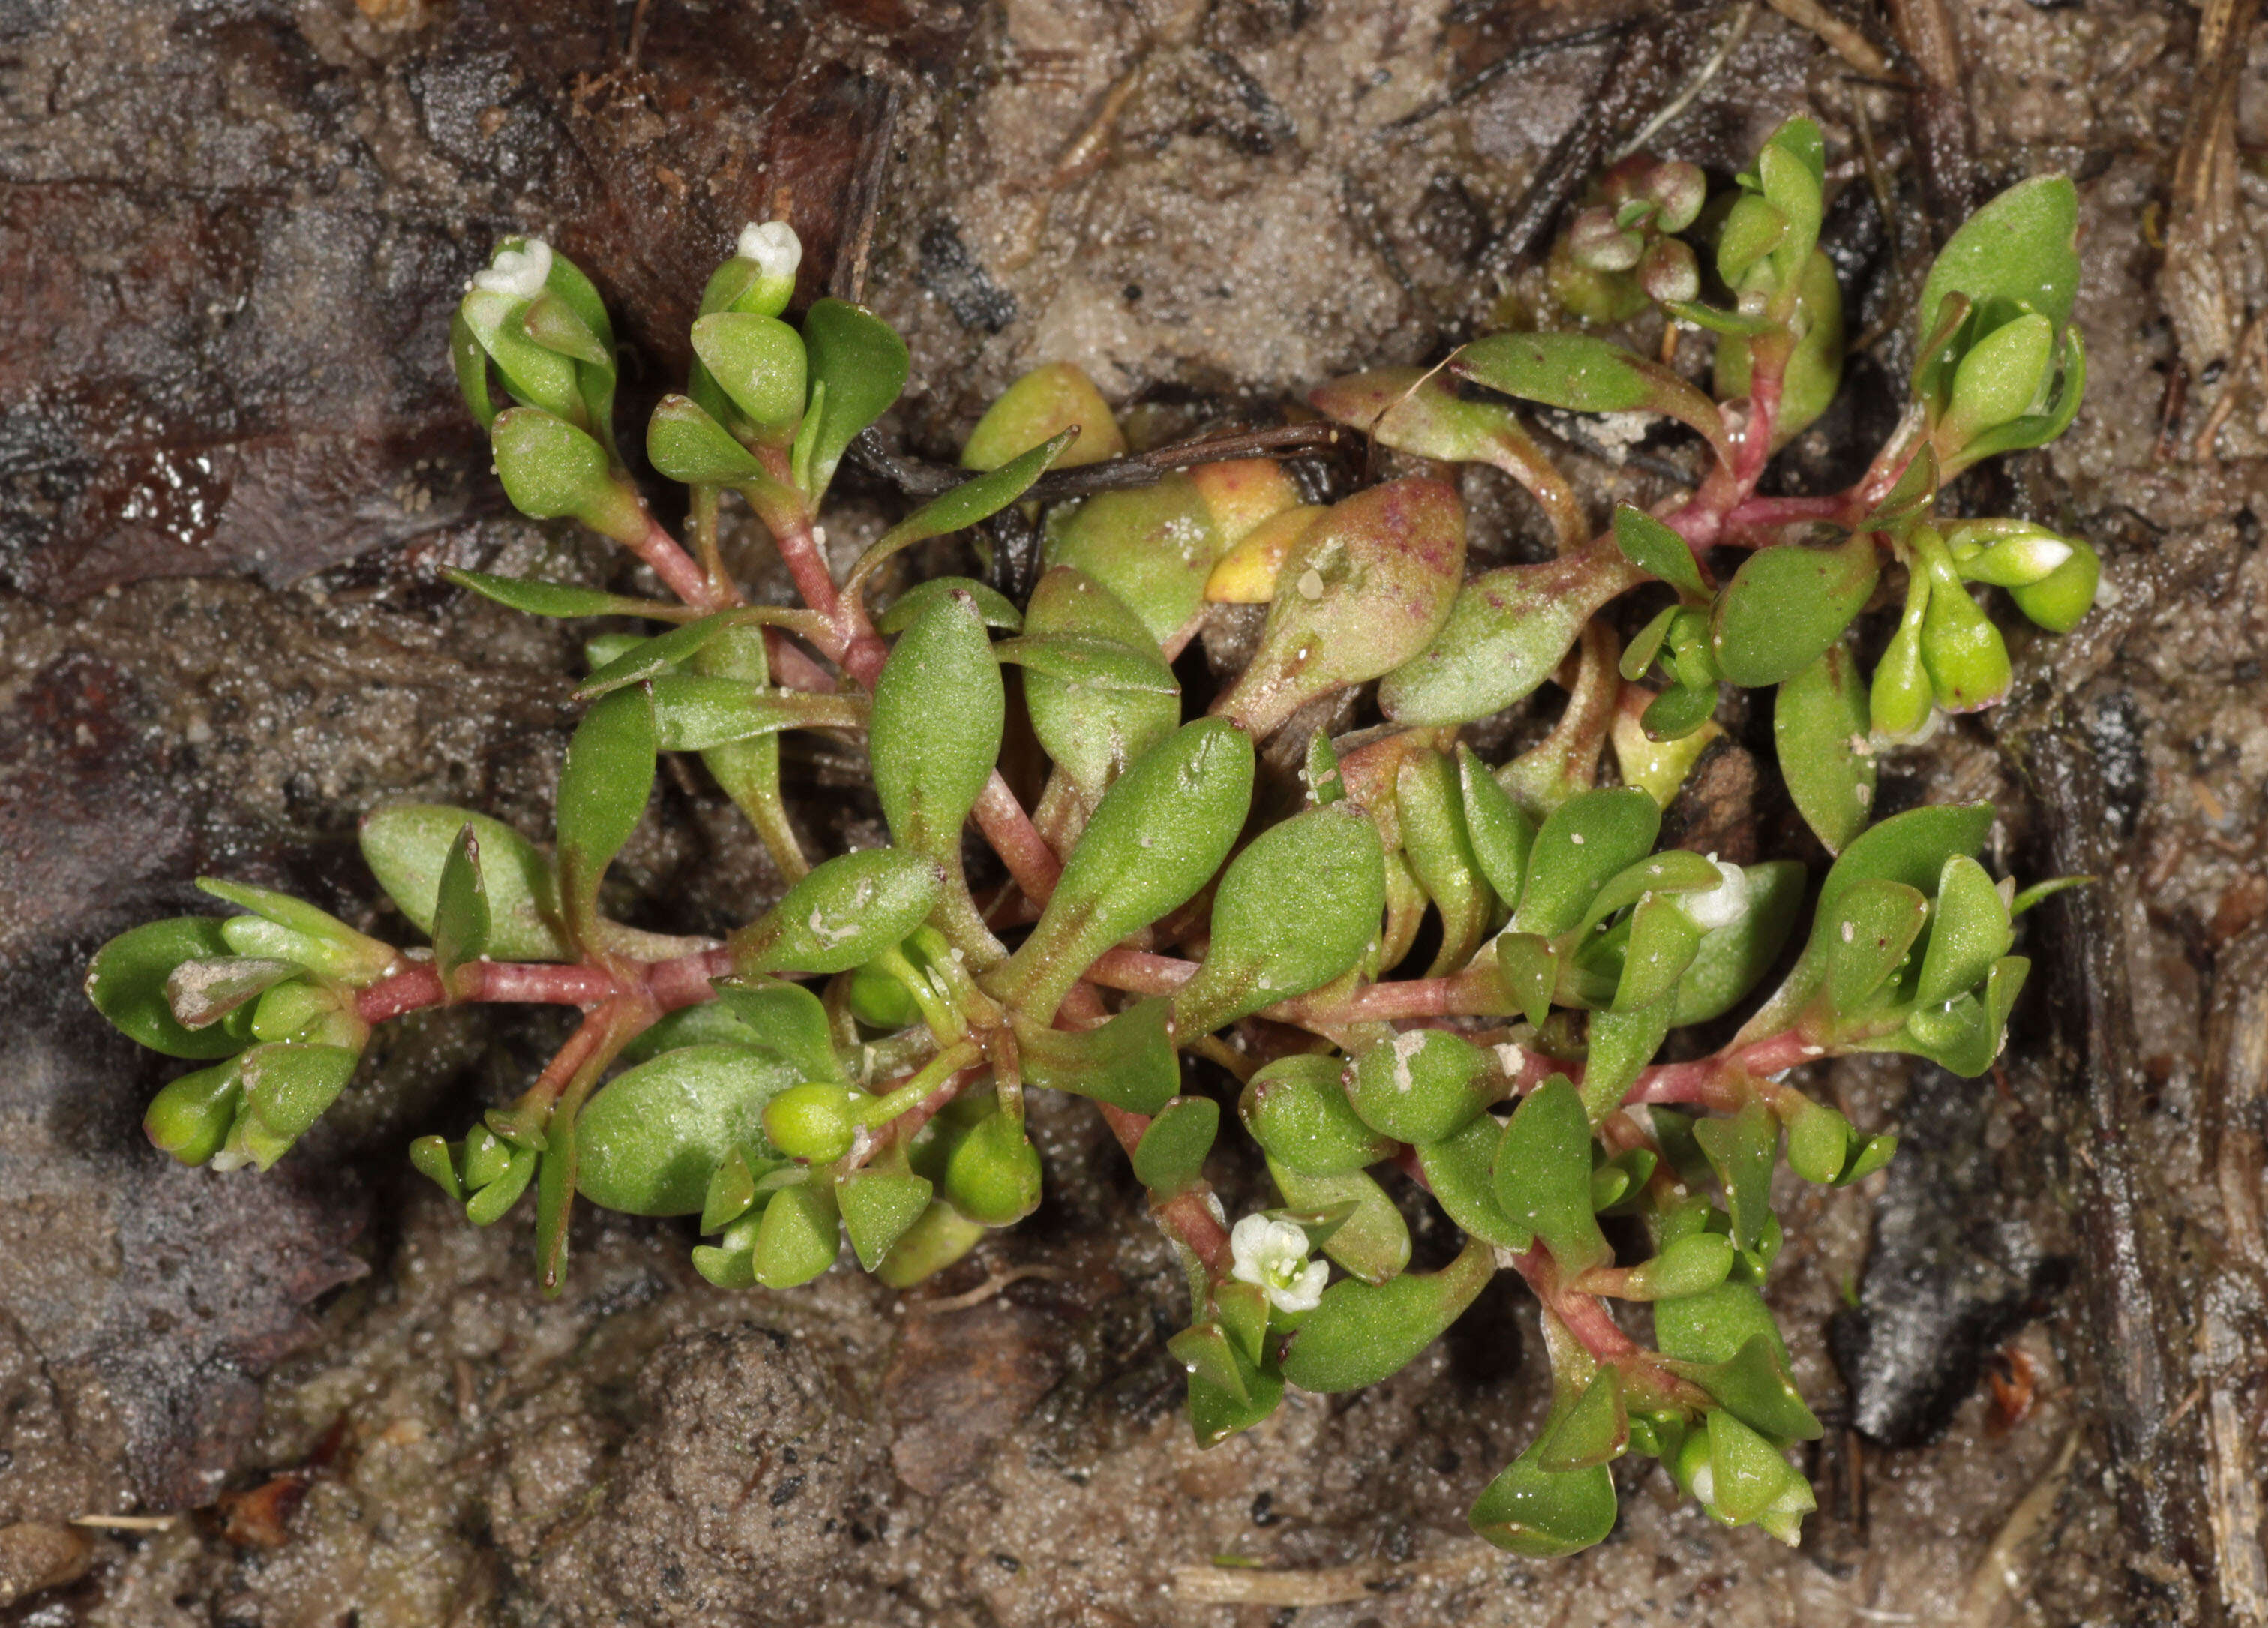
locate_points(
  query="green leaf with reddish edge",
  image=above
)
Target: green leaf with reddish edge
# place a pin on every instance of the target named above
(1871, 929)
(1583, 374)
(1157, 837)
(1171, 1155)
(1655, 549)
(965, 504)
(1363, 1333)
(858, 369)
(125, 980)
(1740, 1150)
(940, 708)
(995, 609)
(1507, 630)
(1299, 907)
(1969, 931)
(407, 846)
(2019, 253)
(1372, 1241)
(1542, 1176)
(550, 469)
(1542, 1514)
(1416, 411)
(799, 1237)
(191, 1116)
(759, 363)
(684, 444)
(552, 599)
(603, 783)
(1501, 835)
(700, 712)
(1733, 958)
(460, 909)
(847, 911)
(1820, 731)
(1092, 734)
(783, 1020)
(1622, 1044)
(1296, 1108)
(878, 1210)
(1913, 494)
(1129, 1063)
(1364, 589)
(1786, 605)
(1593, 1429)
(652, 1137)
(1692, 1264)
(1459, 1171)
(1422, 1085)
(1583, 844)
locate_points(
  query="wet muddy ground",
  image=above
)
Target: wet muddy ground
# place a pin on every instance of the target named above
(232, 463)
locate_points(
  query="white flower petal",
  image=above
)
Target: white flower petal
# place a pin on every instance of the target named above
(1720, 906)
(520, 272)
(773, 245)
(1304, 1292)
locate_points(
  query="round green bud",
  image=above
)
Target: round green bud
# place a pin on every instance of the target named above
(190, 1117)
(993, 1176)
(880, 999)
(811, 1122)
(2058, 600)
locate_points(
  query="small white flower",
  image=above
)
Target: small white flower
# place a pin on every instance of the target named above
(520, 272)
(773, 245)
(1720, 906)
(1273, 1254)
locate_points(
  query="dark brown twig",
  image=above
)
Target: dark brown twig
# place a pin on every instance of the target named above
(917, 477)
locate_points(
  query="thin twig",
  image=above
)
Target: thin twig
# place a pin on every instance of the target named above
(917, 477)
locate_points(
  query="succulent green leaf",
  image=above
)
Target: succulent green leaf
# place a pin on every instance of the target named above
(1091, 663)
(1052, 398)
(1215, 1415)
(1213, 1358)
(1422, 1085)
(1583, 844)
(603, 783)
(1363, 1333)
(549, 599)
(759, 363)
(1372, 1241)
(878, 1209)
(940, 708)
(1507, 631)
(1501, 835)
(1299, 907)
(191, 1116)
(1528, 967)
(799, 1237)
(2019, 253)
(683, 443)
(1786, 605)
(731, 1194)
(1542, 1174)
(1151, 547)
(1583, 374)
(1157, 836)
(782, 1021)
(2038, 429)
(1820, 731)
(1296, 1108)
(1430, 804)
(534, 375)
(496, 1196)
(1093, 733)
(701, 712)
(1593, 1429)
(845, 913)
(126, 981)
(1999, 378)
(858, 368)
(1655, 549)
(1663, 941)
(1968, 932)
(460, 907)
(1363, 590)
(1672, 871)
(1818, 1143)
(1542, 1514)
(1915, 490)
(965, 504)
(1692, 1264)
(995, 609)
(1748, 1476)
(1740, 1150)
(1734, 958)
(551, 470)
(1172, 1152)
(430, 1157)
(649, 1142)
(1621, 1044)
(1873, 926)
(286, 1088)
(1130, 1062)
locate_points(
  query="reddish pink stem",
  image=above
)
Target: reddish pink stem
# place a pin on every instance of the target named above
(669, 985)
(675, 568)
(1017, 840)
(1141, 973)
(792, 668)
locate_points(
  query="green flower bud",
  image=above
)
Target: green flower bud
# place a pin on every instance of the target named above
(764, 262)
(2006, 554)
(993, 1175)
(2058, 601)
(1968, 662)
(811, 1122)
(190, 1117)
(880, 1000)
(1899, 700)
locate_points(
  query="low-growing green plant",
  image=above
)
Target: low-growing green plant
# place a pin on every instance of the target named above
(1164, 900)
